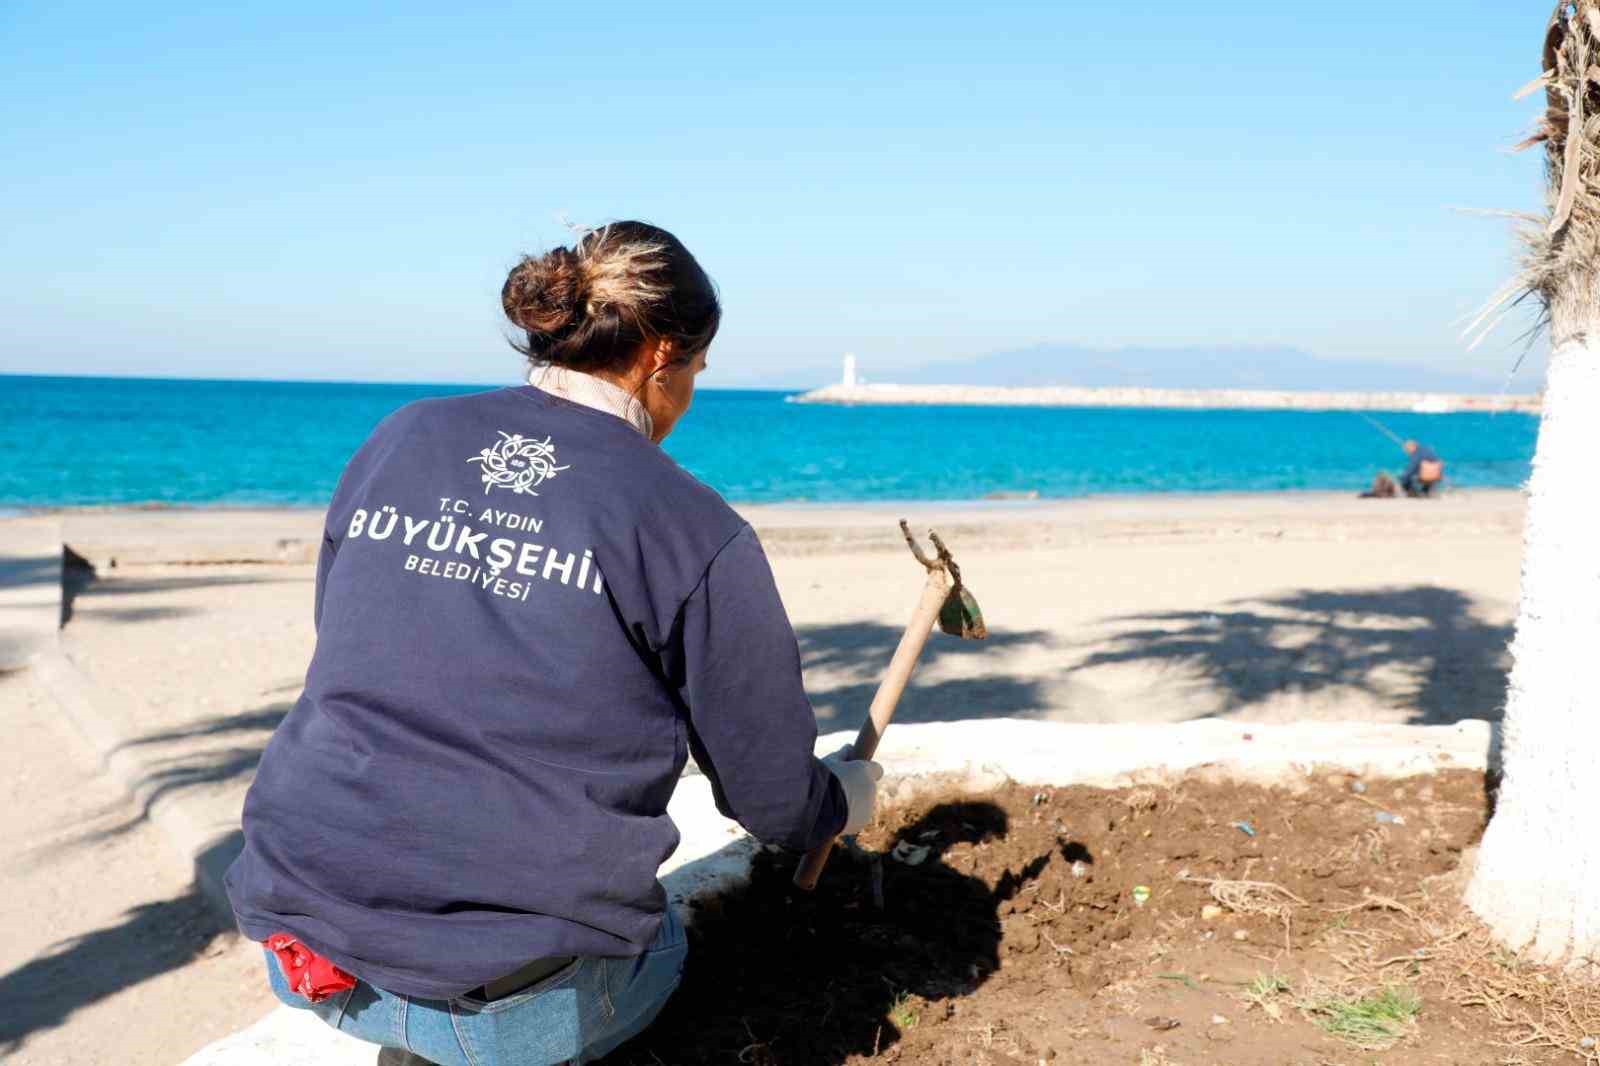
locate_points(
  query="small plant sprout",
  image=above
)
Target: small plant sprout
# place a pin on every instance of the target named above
(1264, 992)
(903, 1012)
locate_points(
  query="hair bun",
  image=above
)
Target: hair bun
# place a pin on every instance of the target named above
(593, 306)
(541, 295)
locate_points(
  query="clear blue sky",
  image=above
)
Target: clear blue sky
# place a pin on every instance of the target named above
(273, 190)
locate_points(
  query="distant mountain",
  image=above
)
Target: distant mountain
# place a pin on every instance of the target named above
(1189, 368)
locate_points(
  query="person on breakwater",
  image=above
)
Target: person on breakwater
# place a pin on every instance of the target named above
(527, 617)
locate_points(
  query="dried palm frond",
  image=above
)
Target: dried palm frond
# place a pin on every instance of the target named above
(1560, 262)
(1249, 897)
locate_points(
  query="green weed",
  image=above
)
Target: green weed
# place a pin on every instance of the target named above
(1372, 1022)
(1263, 992)
(903, 1012)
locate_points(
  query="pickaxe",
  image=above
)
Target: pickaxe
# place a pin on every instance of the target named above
(945, 601)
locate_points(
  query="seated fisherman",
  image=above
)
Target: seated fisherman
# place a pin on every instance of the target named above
(1424, 472)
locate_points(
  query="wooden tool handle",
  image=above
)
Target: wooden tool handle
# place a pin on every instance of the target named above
(883, 703)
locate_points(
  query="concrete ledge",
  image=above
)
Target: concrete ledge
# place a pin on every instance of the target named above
(287, 1036)
(187, 536)
(196, 835)
(714, 855)
(1115, 755)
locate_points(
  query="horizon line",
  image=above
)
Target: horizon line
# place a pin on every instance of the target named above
(346, 381)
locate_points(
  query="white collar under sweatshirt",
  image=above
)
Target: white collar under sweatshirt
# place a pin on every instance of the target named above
(587, 390)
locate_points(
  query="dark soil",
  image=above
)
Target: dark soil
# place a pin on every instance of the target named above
(1020, 937)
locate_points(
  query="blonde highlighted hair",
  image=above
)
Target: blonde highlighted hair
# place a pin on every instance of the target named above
(590, 306)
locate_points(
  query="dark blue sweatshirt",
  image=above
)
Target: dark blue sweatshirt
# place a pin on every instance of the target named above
(527, 617)
(1423, 454)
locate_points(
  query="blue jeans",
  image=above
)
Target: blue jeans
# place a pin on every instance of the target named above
(575, 1015)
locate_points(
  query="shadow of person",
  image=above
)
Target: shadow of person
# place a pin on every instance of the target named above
(780, 977)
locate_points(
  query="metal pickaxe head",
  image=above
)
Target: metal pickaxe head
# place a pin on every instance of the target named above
(960, 615)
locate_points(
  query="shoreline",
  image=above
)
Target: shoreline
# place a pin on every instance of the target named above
(888, 394)
(981, 505)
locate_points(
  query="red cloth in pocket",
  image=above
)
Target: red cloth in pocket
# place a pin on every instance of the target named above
(308, 973)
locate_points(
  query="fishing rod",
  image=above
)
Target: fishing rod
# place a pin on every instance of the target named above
(1380, 427)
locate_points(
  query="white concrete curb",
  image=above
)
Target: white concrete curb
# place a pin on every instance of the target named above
(196, 837)
(1113, 755)
(715, 854)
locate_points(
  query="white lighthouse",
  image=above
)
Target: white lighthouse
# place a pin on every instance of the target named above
(849, 379)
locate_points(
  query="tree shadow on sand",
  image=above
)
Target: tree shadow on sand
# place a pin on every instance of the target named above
(1421, 644)
(150, 940)
(778, 977)
(186, 768)
(843, 664)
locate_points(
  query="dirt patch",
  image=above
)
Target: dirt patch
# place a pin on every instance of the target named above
(1200, 923)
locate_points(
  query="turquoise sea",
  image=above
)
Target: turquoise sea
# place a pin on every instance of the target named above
(71, 441)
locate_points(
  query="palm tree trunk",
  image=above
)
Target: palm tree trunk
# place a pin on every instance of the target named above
(1537, 880)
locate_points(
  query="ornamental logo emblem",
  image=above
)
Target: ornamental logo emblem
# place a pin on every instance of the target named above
(517, 463)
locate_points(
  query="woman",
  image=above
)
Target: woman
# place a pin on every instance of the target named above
(527, 616)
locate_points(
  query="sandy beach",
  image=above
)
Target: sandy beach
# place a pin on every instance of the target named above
(194, 632)
(1113, 609)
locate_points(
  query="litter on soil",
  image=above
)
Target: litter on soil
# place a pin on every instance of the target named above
(1022, 936)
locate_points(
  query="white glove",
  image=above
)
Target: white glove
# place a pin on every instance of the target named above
(859, 778)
